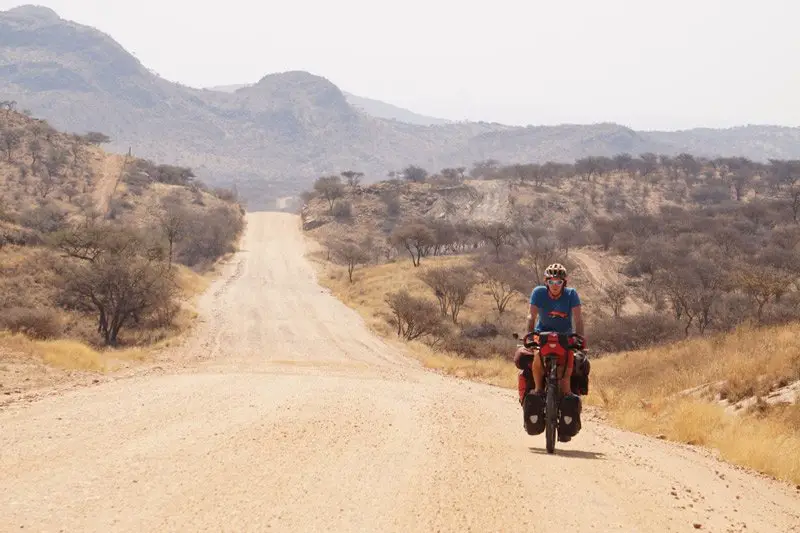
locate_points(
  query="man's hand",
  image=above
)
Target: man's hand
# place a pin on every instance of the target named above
(581, 341)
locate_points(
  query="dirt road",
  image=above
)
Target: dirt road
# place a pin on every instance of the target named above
(493, 205)
(603, 277)
(286, 414)
(109, 173)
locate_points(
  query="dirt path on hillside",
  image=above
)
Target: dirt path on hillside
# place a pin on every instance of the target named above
(109, 171)
(603, 276)
(284, 413)
(493, 206)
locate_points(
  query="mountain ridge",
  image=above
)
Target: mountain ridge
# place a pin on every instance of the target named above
(273, 138)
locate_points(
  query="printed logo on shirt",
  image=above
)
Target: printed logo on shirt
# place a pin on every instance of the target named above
(558, 314)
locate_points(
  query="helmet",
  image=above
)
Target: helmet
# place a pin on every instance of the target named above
(556, 270)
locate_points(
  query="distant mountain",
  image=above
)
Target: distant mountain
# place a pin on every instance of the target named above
(374, 108)
(272, 138)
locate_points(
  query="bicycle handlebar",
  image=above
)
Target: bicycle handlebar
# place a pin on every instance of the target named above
(530, 340)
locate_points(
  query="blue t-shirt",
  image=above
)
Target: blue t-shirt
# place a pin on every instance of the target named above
(555, 314)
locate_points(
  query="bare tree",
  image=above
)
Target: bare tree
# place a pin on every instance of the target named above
(649, 163)
(451, 285)
(174, 219)
(95, 137)
(436, 279)
(118, 289)
(353, 178)
(350, 254)
(496, 233)
(616, 296)
(412, 316)
(415, 238)
(605, 229)
(10, 139)
(70, 190)
(445, 235)
(623, 163)
(588, 167)
(567, 235)
(486, 169)
(36, 150)
(504, 280)
(45, 185)
(415, 174)
(330, 188)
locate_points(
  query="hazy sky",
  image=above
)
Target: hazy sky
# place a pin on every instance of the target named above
(652, 64)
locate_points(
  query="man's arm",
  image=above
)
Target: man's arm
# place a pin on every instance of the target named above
(534, 313)
(576, 313)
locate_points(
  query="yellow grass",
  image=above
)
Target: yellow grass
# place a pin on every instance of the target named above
(70, 354)
(497, 370)
(190, 282)
(645, 391)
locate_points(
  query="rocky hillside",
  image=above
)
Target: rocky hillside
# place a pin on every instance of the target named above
(371, 107)
(99, 247)
(666, 247)
(273, 138)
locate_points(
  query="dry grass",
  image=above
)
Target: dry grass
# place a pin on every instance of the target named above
(70, 354)
(642, 391)
(497, 370)
(190, 282)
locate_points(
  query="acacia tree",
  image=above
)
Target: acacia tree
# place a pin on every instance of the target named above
(330, 188)
(415, 173)
(762, 286)
(95, 137)
(503, 279)
(605, 229)
(785, 176)
(353, 178)
(119, 289)
(452, 286)
(648, 163)
(174, 222)
(350, 254)
(10, 139)
(496, 233)
(416, 238)
(412, 316)
(616, 296)
(119, 277)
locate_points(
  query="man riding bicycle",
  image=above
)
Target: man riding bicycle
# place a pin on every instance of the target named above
(553, 307)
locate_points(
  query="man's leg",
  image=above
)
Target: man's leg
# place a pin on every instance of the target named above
(532, 405)
(522, 360)
(538, 374)
(565, 381)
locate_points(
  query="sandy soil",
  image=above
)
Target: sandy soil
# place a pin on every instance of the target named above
(284, 413)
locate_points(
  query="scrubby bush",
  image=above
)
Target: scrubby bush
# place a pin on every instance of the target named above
(632, 332)
(35, 323)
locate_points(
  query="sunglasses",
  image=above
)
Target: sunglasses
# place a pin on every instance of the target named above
(556, 282)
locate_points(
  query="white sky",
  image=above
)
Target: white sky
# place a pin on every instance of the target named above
(653, 64)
